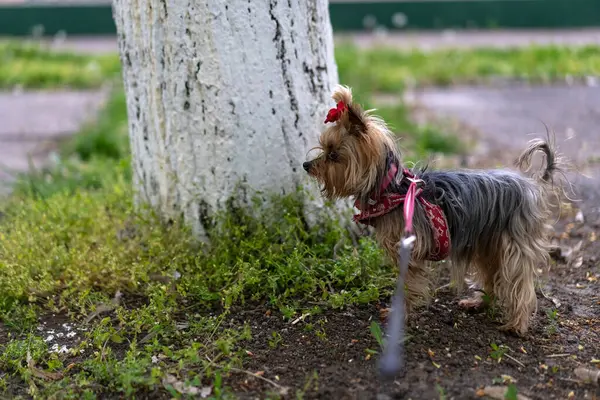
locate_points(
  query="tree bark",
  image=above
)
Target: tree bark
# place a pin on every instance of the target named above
(221, 93)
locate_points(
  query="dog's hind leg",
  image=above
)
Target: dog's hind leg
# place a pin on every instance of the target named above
(514, 283)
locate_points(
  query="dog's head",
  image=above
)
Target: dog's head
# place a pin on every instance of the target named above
(352, 151)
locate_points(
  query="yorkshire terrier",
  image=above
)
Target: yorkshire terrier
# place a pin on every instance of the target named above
(492, 223)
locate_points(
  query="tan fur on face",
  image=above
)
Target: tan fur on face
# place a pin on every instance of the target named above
(353, 151)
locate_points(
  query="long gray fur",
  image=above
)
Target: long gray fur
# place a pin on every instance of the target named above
(481, 205)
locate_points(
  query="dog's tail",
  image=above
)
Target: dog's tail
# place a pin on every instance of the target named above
(554, 161)
(552, 176)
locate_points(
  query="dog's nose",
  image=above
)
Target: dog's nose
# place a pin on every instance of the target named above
(306, 166)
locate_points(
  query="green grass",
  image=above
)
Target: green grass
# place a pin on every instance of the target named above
(32, 66)
(69, 251)
(383, 69)
(71, 238)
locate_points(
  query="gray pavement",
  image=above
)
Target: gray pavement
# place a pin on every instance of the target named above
(475, 38)
(33, 122)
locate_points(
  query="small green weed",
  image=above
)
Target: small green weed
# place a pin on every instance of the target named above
(375, 329)
(275, 340)
(511, 392)
(441, 391)
(498, 352)
(552, 327)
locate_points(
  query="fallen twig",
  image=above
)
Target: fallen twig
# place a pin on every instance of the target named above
(39, 373)
(514, 359)
(300, 318)
(103, 308)
(282, 389)
(558, 355)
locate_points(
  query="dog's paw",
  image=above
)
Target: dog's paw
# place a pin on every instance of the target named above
(512, 331)
(472, 303)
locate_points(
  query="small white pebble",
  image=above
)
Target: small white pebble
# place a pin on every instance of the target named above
(50, 338)
(71, 334)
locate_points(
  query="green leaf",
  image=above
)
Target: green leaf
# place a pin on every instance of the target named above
(376, 332)
(511, 392)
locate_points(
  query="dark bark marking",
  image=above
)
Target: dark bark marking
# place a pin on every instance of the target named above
(281, 57)
(164, 4)
(204, 213)
(153, 184)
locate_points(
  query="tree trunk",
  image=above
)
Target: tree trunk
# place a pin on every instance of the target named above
(221, 93)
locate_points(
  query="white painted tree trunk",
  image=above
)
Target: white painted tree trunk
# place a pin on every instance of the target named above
(221, 92)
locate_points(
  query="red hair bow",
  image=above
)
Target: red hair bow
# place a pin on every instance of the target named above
(335, 113)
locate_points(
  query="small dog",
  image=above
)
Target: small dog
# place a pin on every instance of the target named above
(494, 223)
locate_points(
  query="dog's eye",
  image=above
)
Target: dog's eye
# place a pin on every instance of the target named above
(333, 156)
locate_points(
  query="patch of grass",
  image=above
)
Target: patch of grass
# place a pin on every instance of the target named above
(389, 70)
(416, 139)
(70, 249)
(29, 65)
(106, 136)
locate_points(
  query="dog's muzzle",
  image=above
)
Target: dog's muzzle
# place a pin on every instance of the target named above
(307, 166)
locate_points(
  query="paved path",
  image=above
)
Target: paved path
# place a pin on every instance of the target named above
(475, 38)
(32, 122)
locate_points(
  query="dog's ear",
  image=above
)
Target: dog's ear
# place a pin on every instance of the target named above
(354, 123)
(352, 116)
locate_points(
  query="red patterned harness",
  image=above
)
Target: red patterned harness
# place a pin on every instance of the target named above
(386, 202)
